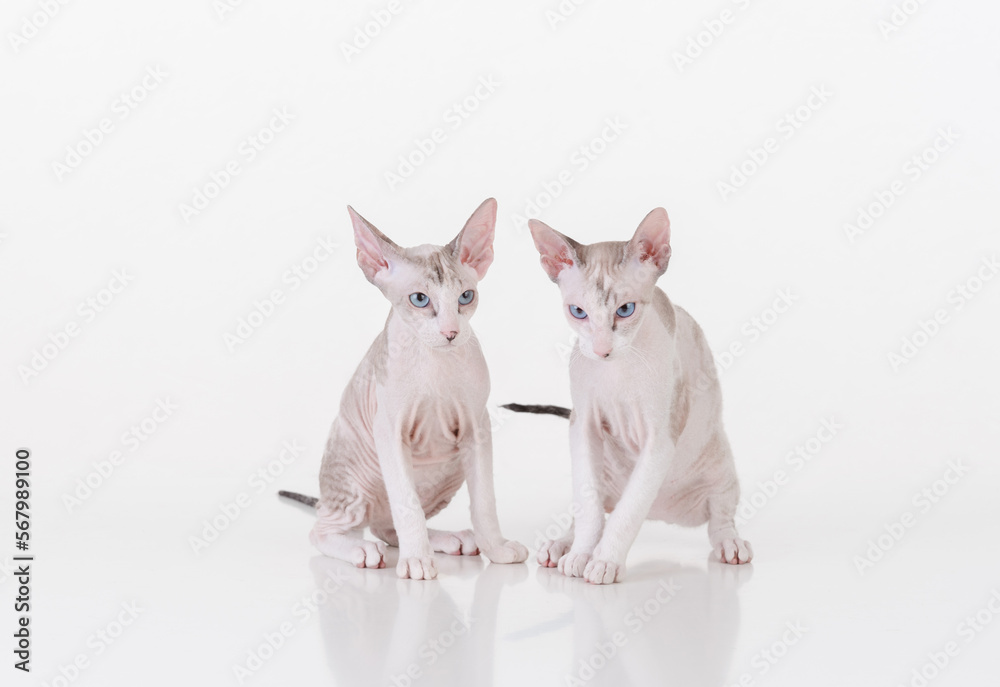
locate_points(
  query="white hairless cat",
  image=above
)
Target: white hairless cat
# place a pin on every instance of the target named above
(646, 436)
(413, 423)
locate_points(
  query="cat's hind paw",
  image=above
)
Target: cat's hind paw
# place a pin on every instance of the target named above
(508, 552)
(551, 551)
(573, 564)
(454, 543)
(416, 568)
(734, 551)
(604, 572)
(360, 553)
(370, 554)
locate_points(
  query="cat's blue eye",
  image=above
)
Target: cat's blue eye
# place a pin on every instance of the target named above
(625, 310)
(577, 312)
(467, 297)
(419, 299)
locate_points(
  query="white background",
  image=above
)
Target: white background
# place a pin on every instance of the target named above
(163, 337)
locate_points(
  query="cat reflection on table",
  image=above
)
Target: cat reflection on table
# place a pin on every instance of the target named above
(379, 630)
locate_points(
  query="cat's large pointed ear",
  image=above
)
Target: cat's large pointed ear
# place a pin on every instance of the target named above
(375, 249)
(474, 244)
(558, 252)
(651, 243)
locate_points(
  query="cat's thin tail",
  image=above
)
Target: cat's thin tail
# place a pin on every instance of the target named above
(541, 410)
(301, 498)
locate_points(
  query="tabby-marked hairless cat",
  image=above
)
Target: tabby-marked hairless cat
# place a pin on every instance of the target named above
(413, 423)
(646, 436)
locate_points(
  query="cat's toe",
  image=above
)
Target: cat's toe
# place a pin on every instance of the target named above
(508, 552)
(550, 553)
(603, 572)
(573, 564)
(416, 568)
(734, 551)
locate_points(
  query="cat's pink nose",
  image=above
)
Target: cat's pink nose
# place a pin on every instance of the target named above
(450, 335)
(602, 352)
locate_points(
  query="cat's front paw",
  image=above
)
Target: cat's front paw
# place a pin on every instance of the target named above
(603, 572)
(551, 551)
(573, 564)
(734, 551)
(507, 552)
(416, 568)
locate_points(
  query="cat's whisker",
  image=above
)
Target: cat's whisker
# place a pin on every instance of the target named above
(634, 350)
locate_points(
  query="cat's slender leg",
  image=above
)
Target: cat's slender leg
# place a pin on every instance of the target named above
(722, 503)
(478, 466)
(585, 448)
(726, 541)
(608, 563)
(452, 543)
(338, 535)
(415, 555)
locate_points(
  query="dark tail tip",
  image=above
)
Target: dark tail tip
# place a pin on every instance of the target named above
(301, 498)
(541, 410)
